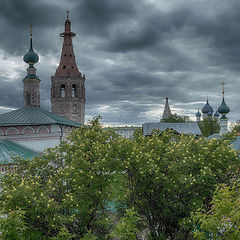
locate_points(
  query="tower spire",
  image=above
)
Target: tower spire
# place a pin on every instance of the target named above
(68, 84)
(166, 112)
(67, 65)
(31, 95)
(223, 110)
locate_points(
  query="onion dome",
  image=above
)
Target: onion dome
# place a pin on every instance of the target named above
(207, 108)
(198, 114)
(209, 114)
(216, 114)
(31, 57)
(223, 108)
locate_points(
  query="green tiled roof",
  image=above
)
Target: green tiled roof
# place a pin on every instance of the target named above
(9, 149)
(33, 116)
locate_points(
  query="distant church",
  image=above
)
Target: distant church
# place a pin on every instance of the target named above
(27, 131)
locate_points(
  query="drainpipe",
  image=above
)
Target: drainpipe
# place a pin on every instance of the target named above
(61, 136)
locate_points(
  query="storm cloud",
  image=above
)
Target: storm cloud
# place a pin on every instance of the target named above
(134, 54)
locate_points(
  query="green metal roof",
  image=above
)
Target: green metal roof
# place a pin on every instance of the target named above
(9, 149)
(33, 116)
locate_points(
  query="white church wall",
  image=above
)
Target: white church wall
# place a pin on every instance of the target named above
(38, 145)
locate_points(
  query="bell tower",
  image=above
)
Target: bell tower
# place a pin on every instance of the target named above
(31, 95)
(68, 84)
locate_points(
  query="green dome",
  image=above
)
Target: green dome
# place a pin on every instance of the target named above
(223, 108)
(31, 56)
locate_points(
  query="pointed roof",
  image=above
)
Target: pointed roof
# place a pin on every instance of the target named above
(166, 112)
(67, 65)
(33, 116)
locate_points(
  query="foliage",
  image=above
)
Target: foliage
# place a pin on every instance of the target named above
(63, 235)
(13, 226)
(64, 194)
(126, 228)
(66, 188)
(209, 126)
(222, 220)
(169, 176)
(176, 119)
(236, 128)
(89, 236)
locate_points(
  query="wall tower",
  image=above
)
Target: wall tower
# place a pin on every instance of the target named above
(68, 84)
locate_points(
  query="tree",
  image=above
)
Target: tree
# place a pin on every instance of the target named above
(176, 119)
(222, 220)
(169, 176)
(64, 192)
(127, 227)
(209, 126)
(236, 128)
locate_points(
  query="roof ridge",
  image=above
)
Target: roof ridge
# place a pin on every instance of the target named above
(34, 116)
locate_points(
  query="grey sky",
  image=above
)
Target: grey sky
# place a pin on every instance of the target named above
(134, 54)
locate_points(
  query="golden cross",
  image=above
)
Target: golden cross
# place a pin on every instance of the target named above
(222, 88)
(68, 13)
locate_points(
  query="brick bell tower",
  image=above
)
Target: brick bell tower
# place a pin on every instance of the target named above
(68, 84)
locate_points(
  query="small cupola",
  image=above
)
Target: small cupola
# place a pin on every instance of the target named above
(198, 114)
(223, 109)
(31, 57)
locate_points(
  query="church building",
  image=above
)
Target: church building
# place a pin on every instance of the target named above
(27, 131)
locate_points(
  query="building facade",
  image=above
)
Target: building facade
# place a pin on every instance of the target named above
(125, 132)
(27, 131)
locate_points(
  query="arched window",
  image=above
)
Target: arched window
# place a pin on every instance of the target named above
(74, 88)
(62, 91)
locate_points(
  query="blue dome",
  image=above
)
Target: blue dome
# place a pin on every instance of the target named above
(207, 108)
(209, 113)
(31, 57)
(216, 114)
(198, 114)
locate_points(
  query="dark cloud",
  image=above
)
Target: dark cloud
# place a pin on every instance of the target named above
(134, 53)
(16, 17)
(98, 17)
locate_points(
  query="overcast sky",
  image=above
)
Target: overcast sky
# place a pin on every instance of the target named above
(134, 53)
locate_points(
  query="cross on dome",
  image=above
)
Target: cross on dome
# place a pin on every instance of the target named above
(222, 88)
(68, 13)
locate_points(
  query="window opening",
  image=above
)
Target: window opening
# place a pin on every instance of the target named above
(73, 90)
(63, 91)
